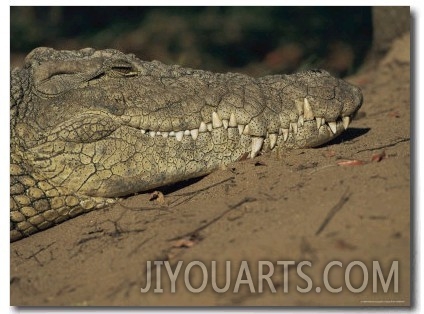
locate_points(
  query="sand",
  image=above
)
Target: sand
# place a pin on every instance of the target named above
(346, 201)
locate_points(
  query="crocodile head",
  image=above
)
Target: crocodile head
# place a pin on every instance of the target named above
(102, 123)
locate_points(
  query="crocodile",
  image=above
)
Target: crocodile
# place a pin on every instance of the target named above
(91, 126)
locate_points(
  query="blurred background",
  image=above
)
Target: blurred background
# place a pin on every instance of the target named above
(252, 40)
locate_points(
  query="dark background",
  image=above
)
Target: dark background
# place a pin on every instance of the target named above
(254, 40)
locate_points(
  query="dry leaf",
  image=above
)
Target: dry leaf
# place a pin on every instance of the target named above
(353, 162)
(158, 197)
(378, 157)
(184, 243)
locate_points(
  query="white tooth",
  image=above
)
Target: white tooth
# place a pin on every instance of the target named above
(307, 110)
(143, 131)
(233, 121)
(256, 146)
(240, 128)
(194, 133)
(209, 127)
(300, 120)
(333, 126)
(179, 135)
(285, 134)
(165, 134)
(187, 132)
(152, 133)
(225, 123)
(246, 130)
(293, 127)
(280, 131)
(323, 121)
(346, 121)
(202, 127)
(172, 133)
(272, 140)
(216, 121)
(319, 122)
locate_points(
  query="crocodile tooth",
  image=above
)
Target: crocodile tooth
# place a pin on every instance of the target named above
(172, 133)
(285, 134)
(194, 133)
(246, 130)
(272, 140)
(216, 121)
(179, 135)
(240, 128)
(209, 127)
(280, 131)
(346, 121)
(256, 146)
(202, 128)
(187, 132)
(293, 127)
(307, 110)
(233, 121)
(300, 120)
(319, 122)
(225, 123)
(143, 131)
(158, 133)
(323, 121)
(152, 133)
(165, 134)
(333, 126)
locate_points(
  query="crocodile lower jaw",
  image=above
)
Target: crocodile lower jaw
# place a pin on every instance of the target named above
(305, 114)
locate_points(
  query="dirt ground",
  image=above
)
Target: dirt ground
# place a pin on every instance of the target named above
(346, 201)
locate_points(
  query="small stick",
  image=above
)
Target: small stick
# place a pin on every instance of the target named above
(345, 197)
(231, 207)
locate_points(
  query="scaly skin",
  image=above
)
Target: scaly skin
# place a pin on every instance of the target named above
(90, 126)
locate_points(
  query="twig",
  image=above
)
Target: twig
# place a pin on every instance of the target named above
(384, 146)
(345, 197)
(321, 168)
(194, 193)
(230, 208)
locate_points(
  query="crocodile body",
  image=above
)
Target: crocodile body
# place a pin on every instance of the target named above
(90, 126)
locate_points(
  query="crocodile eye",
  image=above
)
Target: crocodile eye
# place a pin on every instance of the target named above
(121, 68)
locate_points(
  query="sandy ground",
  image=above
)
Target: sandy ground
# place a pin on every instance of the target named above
(302, 205)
